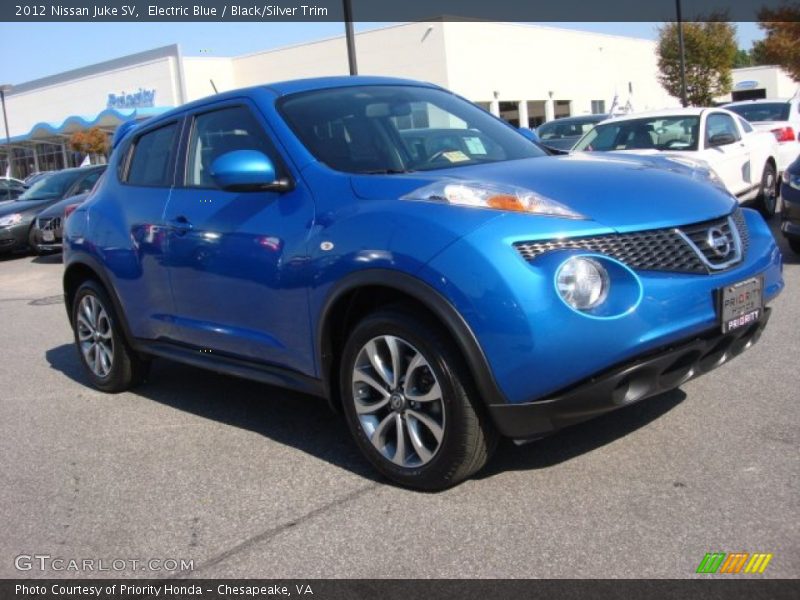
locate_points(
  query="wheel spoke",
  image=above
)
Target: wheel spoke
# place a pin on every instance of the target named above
(361, 377)
(416, 440)
(367, 408)
(378, 364)
(394, 351)
(435, 393)
(380, 431)
(415, 363)
(432, 425)
(97, 361)
(400, 449)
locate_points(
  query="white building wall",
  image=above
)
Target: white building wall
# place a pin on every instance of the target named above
(772, 79)
(199, 71)
(526, 62)
(88, 95)
(413, 50)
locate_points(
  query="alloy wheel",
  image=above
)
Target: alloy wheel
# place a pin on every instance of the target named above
(95, 336)
(398, 401)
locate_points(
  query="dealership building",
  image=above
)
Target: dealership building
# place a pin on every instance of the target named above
(524, 73)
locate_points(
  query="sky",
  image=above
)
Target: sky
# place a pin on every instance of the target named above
(33, 50)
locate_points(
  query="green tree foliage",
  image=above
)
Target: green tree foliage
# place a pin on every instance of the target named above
(781, 46)
(710, 55)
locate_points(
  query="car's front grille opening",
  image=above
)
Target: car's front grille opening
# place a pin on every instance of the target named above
(699, 248)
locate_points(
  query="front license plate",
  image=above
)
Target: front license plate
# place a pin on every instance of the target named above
(742, 304)
(48, 236)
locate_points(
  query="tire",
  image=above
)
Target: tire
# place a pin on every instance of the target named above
(427, 359)
(768, 192)
(794, 244)
(118, 368)
(32, 240)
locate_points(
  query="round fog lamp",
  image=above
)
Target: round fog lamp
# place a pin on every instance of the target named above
(582, 282)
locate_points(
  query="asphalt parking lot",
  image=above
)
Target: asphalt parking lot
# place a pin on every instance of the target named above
(248, 480)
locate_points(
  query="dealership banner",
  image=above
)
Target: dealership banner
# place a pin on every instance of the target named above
(381, 10)
(394, 589)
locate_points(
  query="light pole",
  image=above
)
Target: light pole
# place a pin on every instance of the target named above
(3, 89)
(348, 34)
(682, 52)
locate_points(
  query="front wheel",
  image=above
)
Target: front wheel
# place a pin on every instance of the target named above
(768, 192)
(409, 402)
(112, 366)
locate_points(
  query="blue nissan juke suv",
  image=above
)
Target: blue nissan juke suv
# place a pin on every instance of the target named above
(418, 262)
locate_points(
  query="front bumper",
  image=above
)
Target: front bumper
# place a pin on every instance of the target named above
(625, 384)
(14, 238)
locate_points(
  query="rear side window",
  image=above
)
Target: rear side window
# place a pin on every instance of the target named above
(762, 111)
(216, 133)
(151, 163)
(87, 183)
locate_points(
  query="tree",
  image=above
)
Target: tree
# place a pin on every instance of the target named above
(710, 55)
(743, 59)
(90, 141)
(781, 46)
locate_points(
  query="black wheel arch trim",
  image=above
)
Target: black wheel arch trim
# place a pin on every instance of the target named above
(87, 261)
(445, 312)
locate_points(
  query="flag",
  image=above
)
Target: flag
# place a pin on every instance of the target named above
(86, 161)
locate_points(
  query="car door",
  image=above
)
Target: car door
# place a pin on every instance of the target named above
(727, 153)
(130, 234)
(235, 257)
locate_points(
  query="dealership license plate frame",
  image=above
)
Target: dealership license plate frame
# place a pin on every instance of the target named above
(734, 315)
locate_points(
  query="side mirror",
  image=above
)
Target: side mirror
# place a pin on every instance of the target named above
(721, 139)
(530, 134)
(247, 171)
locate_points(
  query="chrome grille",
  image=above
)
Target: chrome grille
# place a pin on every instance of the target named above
(684, 249)
(53, 224)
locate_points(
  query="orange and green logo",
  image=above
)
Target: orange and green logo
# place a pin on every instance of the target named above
(734, 562)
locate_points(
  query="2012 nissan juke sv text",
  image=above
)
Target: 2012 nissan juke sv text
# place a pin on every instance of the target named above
(396, 249)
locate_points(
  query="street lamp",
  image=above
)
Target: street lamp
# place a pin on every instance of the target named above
(3, 89)
(682, 51)
(350, 38)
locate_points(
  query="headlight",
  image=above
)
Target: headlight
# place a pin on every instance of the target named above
(11, 219)
(500, 197)
(792, 179)
(582, 282)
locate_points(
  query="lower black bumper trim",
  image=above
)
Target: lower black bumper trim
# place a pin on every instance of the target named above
(629, 383)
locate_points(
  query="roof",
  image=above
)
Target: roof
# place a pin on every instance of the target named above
(318, 83)
(760, 101)
(689, 111)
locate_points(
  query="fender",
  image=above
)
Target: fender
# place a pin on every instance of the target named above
(444, 311)
(79, 258)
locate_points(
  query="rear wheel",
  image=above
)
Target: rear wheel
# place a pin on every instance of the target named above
(409, 402)
(768, 192)
(112, 366)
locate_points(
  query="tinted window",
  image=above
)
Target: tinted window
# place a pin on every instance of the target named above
(152, 158)
(657, 133)
(218, 132)
(53, 185)
(386, 129)
(762, 111)
(719, 123)
(566, 128)
(87, 183)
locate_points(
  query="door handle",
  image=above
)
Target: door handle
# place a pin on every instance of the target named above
(181, 225)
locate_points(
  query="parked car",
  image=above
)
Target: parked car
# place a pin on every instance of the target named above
(17, 216)
(10, 189)
(46, 232)
(779, 117)
(439, 298)
(790, 211)
(744, 159)
(564, 133)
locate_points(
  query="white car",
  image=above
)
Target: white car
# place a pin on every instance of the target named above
(745, 160)
(779, 117)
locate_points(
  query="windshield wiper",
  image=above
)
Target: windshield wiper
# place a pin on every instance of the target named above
(385, 172)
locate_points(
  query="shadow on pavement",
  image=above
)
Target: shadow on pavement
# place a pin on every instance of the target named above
(306, 423)
(53, 258)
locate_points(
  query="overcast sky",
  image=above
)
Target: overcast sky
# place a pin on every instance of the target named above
(33, 50)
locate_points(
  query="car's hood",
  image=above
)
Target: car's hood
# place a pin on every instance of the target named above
(622, 192)
(57, 209)
(23, 206)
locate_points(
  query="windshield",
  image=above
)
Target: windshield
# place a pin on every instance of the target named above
(762, 111)
(655, 133)
(566, 128)
(396, 129)
(50, 186)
